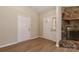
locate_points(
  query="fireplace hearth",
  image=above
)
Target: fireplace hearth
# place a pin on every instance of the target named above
(67, 44)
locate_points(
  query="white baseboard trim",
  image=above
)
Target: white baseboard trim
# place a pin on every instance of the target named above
(57, 43)
(48, 38)
(15, 43)
(35, 37)
(8, 44)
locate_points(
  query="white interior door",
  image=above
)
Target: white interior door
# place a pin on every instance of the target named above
(24, 26)
(46, 27)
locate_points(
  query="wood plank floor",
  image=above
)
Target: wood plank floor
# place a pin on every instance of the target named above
(36, 45)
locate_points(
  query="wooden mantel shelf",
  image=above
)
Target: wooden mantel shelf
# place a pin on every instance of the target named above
(70, 13)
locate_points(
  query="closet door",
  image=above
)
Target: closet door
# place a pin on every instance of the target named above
(24, 28)
(46, 27)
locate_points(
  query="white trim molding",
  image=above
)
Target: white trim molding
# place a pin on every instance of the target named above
(5, 45)
(9, 44)
(58, 25)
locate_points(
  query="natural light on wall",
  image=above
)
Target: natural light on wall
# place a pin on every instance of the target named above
(53, 27)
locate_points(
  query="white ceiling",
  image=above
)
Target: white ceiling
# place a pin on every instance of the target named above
(42, 8)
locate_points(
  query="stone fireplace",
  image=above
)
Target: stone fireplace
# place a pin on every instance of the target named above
(70, 27)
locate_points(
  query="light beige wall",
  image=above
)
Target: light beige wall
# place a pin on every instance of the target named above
(51, 13)
(8, 23)
(34, 22)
